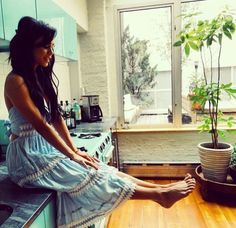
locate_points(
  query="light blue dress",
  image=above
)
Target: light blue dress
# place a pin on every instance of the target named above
(84, 195)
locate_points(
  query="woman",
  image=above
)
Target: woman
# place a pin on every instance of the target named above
(41, 152)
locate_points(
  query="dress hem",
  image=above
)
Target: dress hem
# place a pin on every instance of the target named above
(126, 194)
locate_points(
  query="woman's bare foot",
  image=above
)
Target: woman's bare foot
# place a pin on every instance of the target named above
(173, 193)
(187, 178)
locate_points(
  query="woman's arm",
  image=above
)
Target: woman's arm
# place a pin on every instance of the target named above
(17, 92)
(62, 130)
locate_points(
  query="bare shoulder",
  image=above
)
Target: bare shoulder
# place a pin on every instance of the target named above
(14, 81)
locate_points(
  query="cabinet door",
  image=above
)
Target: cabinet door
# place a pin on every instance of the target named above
(66, 39)
(13, 10)
(51, 13)
(39, 222)
(70, 38)
(1, 22)
(47, 218)
(50, 215)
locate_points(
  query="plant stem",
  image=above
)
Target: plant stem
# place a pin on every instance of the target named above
(218, 93)
(203, 66)
(211, 106)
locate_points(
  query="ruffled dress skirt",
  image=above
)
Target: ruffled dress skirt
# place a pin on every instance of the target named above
(84, 195)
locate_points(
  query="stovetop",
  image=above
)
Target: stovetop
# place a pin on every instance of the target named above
(96, 144)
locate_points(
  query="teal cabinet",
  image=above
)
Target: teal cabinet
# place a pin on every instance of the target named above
(1, 22)
(70, 38)
(46, 10)
(50, 215)
(51, 13)
(47, 218)
(66, 39)
(39, 221)
(12, 11)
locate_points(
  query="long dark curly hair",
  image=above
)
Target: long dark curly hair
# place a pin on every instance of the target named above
(30, 34)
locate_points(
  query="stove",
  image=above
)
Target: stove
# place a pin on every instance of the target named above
(98, 145)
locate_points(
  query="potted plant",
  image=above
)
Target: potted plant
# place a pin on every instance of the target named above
(195, 82)
(201, 36)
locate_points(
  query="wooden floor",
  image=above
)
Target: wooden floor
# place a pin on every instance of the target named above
(190, 212)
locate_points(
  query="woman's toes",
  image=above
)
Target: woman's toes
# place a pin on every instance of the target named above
(192, 180)
(187, 176)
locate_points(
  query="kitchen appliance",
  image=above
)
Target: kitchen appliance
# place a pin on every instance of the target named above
(91, 110)
(4, 138)
(98, 145)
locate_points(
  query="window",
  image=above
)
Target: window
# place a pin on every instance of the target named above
(155, 92)
(146, 65)
(192, 74)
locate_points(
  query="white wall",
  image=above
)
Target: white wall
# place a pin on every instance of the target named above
(62, 71)
(93, 55)
(4, 70)
(78, 10)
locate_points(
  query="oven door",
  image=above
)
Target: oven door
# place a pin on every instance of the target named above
(108, 154)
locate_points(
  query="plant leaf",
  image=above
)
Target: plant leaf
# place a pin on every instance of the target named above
(187, 49)
(193, 45)
(227, 33)
(178, 43)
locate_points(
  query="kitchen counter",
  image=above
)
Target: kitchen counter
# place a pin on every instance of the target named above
(27, 204)
(99, 126)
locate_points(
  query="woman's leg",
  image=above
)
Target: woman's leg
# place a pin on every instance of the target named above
(166, 197)
(142, 183)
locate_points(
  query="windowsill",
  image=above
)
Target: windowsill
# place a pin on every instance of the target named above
(162, 129)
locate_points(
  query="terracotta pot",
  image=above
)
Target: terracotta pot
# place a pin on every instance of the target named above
(197, 106)
(215, 162)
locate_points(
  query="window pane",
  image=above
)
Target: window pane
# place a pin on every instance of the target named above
(146, 65)
(192, 73)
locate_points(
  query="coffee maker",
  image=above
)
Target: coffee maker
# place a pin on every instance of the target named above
(91, 110)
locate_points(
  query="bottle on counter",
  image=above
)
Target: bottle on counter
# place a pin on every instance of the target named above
(67, 114)
(61, 108)
(72, 120)
(67, 107)
(81, 109)
(77, 110)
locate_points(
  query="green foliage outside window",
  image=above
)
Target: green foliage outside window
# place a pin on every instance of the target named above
(137, 74)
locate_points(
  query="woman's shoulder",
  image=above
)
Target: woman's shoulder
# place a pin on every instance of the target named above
(14, 80)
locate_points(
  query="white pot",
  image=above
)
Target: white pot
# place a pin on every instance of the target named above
(215, 162)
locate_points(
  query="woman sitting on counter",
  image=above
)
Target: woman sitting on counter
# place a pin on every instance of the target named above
(41, 152)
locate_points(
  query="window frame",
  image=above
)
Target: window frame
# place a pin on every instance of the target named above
(176, 57)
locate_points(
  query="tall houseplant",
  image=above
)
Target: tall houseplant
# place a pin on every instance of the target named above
(201, 36)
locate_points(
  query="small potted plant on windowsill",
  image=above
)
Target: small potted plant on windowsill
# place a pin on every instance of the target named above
(195, 83)
(201, 36)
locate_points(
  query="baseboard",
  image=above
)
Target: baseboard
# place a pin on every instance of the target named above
(159, 171)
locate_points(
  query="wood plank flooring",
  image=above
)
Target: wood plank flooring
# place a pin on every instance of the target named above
(191, 212)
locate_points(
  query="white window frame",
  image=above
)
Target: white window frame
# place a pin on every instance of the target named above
(176, 79)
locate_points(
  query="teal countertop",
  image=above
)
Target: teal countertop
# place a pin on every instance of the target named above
(27, 203)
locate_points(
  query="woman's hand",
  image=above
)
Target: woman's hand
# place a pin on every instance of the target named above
(84, 160)
(86, 156)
